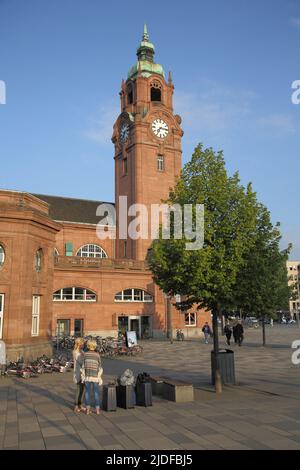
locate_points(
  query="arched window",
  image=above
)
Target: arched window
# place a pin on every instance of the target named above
(2, 256)
(91, 251)
(75, 294)
(129, 94)
(155, 91)
(133, 295)
(38, 260)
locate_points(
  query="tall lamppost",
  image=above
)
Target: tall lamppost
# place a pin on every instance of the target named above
(171, 320)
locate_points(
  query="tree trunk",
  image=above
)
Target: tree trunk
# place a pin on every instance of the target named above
(217, 372)
(264, 330)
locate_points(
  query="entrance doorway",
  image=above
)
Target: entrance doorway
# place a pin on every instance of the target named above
(123, 324)
(78, 328)
(63, 327)
(145, 327)
(140, 324)
(134, 325)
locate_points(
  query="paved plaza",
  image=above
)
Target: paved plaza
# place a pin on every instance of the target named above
(261, 412)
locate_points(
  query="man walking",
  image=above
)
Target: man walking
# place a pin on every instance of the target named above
(228, 333)
(238, 333)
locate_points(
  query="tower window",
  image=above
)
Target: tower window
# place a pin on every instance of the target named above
(155, 91)
(129, 95)
(160, 163)
(155, 94)
(125, 168)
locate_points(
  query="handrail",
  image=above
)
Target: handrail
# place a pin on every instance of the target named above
(85, 262)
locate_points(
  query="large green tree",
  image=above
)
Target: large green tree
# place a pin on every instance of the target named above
(206, 277)
(262, 282)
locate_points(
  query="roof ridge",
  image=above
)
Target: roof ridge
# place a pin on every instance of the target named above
(72, 198)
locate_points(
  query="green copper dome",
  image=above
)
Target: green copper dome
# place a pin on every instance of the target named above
(145, 64)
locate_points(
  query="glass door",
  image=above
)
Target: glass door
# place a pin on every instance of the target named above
(123, 324)
(63, 327)
(135, 325)
(78, 327)
(145, 327)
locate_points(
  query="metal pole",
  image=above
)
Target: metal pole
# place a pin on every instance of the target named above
(171, 322)
(167, 313)
(217, 372)
(264, 330)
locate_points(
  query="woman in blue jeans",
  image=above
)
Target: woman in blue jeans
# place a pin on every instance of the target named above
(92, 376)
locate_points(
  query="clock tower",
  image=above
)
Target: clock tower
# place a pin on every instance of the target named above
(147, 139)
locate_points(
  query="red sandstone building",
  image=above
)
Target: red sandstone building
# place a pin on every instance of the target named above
(56, 275)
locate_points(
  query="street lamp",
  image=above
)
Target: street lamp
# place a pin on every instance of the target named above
(169, 321)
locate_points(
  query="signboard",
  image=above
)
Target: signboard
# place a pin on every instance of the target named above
(131, 339)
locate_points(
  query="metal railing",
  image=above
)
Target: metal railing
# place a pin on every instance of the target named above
(98, 263)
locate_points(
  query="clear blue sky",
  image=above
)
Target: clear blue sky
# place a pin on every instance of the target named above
(232, 62)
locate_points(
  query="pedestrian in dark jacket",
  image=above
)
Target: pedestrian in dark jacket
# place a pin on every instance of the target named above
(238, 333)
(228, 333)
(207, 332)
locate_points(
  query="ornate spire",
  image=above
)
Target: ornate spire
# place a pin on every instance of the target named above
(145, 35)
(170, 81)
(145, 65)
(146, 48)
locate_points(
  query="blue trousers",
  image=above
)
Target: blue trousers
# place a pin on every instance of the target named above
(92, 388)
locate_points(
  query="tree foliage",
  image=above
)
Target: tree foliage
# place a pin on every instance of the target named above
(262, 282)
(207, 276)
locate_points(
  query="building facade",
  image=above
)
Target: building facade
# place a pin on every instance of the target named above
(56, 275)
(293, 268)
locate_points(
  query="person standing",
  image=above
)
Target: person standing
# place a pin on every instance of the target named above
(78, 359)
(234, 333)
(239, 333)
(228, 333)
(207, 332)
(91, 375)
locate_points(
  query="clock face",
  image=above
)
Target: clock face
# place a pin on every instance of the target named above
(160, 128)
(124, 132)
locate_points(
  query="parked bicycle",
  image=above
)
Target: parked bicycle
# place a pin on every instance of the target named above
(179, 335)
(42, 365)
(107, 346)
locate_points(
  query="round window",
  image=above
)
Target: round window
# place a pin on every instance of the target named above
(2, 255)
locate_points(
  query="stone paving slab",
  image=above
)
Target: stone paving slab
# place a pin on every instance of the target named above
(261, 413)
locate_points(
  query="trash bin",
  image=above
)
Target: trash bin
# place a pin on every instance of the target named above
(144, 394)
(226, 363)
(109, 402)
(125, 396)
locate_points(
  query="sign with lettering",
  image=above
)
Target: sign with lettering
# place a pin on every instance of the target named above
(131, 339)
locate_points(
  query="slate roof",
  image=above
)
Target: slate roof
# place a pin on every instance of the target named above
(69, 209)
